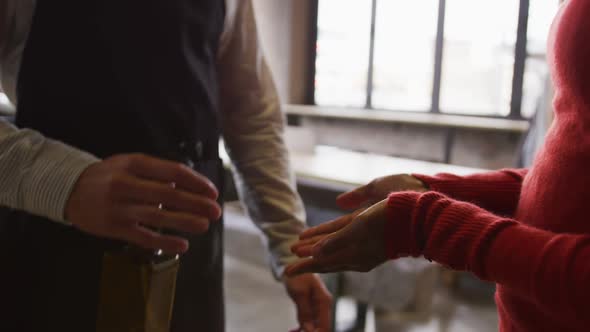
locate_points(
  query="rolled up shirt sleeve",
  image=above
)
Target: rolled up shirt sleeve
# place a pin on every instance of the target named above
(253, 125)
(37, 174)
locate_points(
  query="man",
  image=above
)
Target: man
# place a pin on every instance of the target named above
(140, 87)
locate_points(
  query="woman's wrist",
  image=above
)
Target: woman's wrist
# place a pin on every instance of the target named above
(418, 182)
(400, 231)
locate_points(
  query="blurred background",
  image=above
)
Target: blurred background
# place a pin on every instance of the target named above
(377, 87)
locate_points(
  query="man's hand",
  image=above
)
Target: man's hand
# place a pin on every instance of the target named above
(120, 196)
(313, 301)
(378, 190)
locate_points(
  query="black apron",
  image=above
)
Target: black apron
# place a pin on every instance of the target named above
(111, 77)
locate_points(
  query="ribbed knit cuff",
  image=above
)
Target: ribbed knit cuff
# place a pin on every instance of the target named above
(450, 185)
(454, 230)
(400, 236)
(497, 192)
(478, 259)
(462, 241)
(456, 234)
(53, 175)
(452, 233)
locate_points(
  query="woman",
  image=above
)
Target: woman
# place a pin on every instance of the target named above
(526, 230)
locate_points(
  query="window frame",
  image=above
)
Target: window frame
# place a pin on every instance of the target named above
(520, 57)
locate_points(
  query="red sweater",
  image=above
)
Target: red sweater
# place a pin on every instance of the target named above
(528, 231)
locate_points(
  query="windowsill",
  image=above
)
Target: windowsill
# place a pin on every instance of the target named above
(342, 170)
(427, 119)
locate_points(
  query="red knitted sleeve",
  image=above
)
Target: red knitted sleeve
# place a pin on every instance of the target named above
(552, 269)
(497, 191)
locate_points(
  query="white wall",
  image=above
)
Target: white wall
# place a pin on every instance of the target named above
(284, 27)
(274, 26)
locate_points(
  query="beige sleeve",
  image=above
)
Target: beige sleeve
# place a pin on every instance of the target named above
(253, 124)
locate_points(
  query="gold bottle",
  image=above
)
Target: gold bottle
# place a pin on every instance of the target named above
(137, 291)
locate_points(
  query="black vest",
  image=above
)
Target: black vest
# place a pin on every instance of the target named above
(110, 77)
(113, 76)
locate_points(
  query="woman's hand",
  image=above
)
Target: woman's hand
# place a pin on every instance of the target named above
(378, 190)
(355, 242)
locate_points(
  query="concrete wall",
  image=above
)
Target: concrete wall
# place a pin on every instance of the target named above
(466, 147)
(274, 25)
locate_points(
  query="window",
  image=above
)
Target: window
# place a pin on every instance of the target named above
(5, 105)
(3, 98)
(475, 57)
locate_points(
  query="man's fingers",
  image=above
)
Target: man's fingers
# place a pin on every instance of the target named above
(152, 240)
(159, 218)
(305, 312)
(300, 267)
(327, 228)
(154, 193)
(323, 303)
(171, 172)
